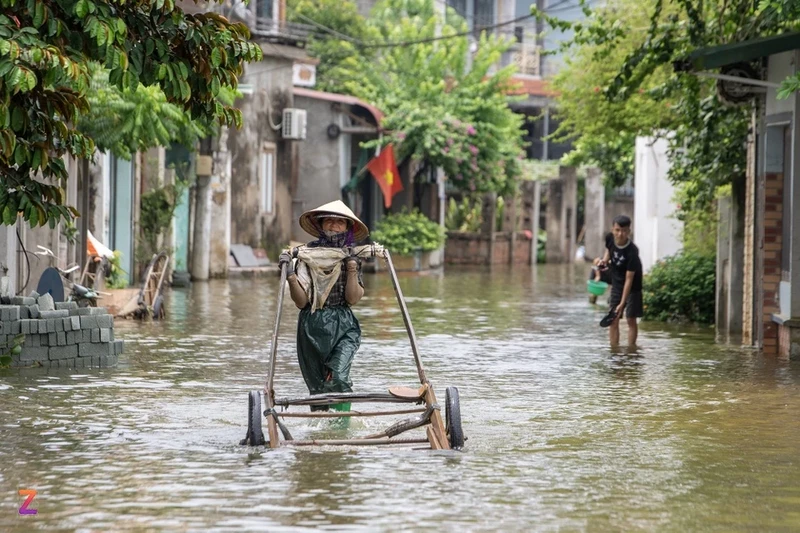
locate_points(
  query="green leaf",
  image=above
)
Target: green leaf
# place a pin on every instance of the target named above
(216, 57)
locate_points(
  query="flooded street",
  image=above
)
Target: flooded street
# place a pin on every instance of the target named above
(564, 434)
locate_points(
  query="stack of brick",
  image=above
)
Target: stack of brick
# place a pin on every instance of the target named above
(59, 335)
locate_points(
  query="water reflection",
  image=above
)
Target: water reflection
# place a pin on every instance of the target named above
(564, 433)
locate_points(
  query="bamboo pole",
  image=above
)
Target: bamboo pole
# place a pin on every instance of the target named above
(268, 391)
(406, 319)
(350, 413)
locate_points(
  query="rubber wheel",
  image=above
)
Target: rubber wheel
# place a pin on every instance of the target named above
(255, 437)
(158, 308)
(452, 412)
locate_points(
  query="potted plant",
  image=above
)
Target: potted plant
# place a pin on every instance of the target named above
(410, 237)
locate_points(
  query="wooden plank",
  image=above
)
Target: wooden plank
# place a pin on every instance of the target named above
(434, 442)
(437, 424)
(269, 393)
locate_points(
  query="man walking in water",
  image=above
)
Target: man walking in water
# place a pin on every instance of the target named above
(622, 257)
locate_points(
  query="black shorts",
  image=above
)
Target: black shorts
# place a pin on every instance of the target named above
(633, 309)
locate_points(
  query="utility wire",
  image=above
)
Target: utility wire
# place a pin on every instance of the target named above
(418, 41)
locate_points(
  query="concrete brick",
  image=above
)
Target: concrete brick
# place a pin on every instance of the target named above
(66, 305)
(81, 362)
(45, 302)
(33, 311)
(95, 335)
(61, 338)
(9, 313)
(88, 322)
(32, 340)
(52, 339)
(15, 327)
(34, 353)
(72, 337)
(34, 295)
(63, 352)
(44, 338)
(66, 324)
(118, 347)
(25, 326)
(22, 300)
(105, 321)
(51, 325)
(35, 324)
(24, 312)
(53, 314)
(106, 335)
(81, 311)
(96, 361)
(92, 350)
(76, 322)
(86, 336)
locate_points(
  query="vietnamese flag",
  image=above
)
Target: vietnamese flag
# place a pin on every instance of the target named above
(384, 169)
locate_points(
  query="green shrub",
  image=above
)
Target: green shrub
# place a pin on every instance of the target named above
(464, 216)
(403, 233)
(681, 288)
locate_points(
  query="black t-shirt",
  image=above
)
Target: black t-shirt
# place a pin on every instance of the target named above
(624, 260)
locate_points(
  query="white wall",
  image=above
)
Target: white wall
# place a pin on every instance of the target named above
(656, 232)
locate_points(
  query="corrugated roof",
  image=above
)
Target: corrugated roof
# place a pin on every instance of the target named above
(340, 98)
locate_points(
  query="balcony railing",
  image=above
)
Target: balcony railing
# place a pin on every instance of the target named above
(272, 29)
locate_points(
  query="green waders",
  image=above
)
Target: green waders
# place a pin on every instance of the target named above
(327, 341)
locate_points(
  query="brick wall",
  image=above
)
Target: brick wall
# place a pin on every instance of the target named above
(773, 220)
(464, 248)
(65, 337)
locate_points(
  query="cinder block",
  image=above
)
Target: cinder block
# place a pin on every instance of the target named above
(32, 340)
(24, 312)
(22, 300)
(105, 321)
(88, 322)
(52, 339)
(34, 325)
(76, 322)
(34, 353)
(44, 338)
(66, 324)
(105, 335)
(95, 335)
(66, 306)
(81, 362)
(86, 336)
(15, 327)
(51, 325)
(25, 326)
(63, 352)
(72, 337)
(54, 314)
(34, 295)
(92, 350)
(9, 313)
(81, 311)
(59, 324)
(96, 361)
(33, 311)
(98, 311)
(118, 347)
(61, 338)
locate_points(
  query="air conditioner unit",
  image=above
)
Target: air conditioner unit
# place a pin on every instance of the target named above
(294, 124)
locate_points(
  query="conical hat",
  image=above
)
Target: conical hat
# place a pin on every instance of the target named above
(337, 208)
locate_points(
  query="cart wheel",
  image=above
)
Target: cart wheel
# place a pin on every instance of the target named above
(158, 308)
(255, 437)
(452, 412)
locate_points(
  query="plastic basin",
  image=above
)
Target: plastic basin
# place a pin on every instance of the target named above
(596, 287)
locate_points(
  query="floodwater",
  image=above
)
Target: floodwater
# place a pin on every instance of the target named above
(564, 434)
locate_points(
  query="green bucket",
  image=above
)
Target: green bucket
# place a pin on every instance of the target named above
(598, 288)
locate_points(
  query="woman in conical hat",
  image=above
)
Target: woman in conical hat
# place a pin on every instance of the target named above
(324, 283)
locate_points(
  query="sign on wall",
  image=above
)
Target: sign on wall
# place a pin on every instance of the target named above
(304, 75)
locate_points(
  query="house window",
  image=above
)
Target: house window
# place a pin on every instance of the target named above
(266, 172)
(267, 9)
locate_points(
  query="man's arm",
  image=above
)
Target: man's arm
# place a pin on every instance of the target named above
(626, 291)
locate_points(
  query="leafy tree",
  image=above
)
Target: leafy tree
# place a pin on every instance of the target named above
(338, 27)
(642, 94)
(437, 107)
(47, 48)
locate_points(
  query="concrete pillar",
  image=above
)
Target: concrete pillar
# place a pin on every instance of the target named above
(594, 213)
(220, 236)
(488, 228)
(535, 216)
(555, 222)
(8, 261)
(570, 177)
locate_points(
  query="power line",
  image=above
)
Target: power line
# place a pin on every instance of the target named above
(418, 41)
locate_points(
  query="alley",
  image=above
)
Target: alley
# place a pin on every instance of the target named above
(563, 434)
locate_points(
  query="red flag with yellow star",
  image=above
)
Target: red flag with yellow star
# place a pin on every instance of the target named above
(384, 170)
